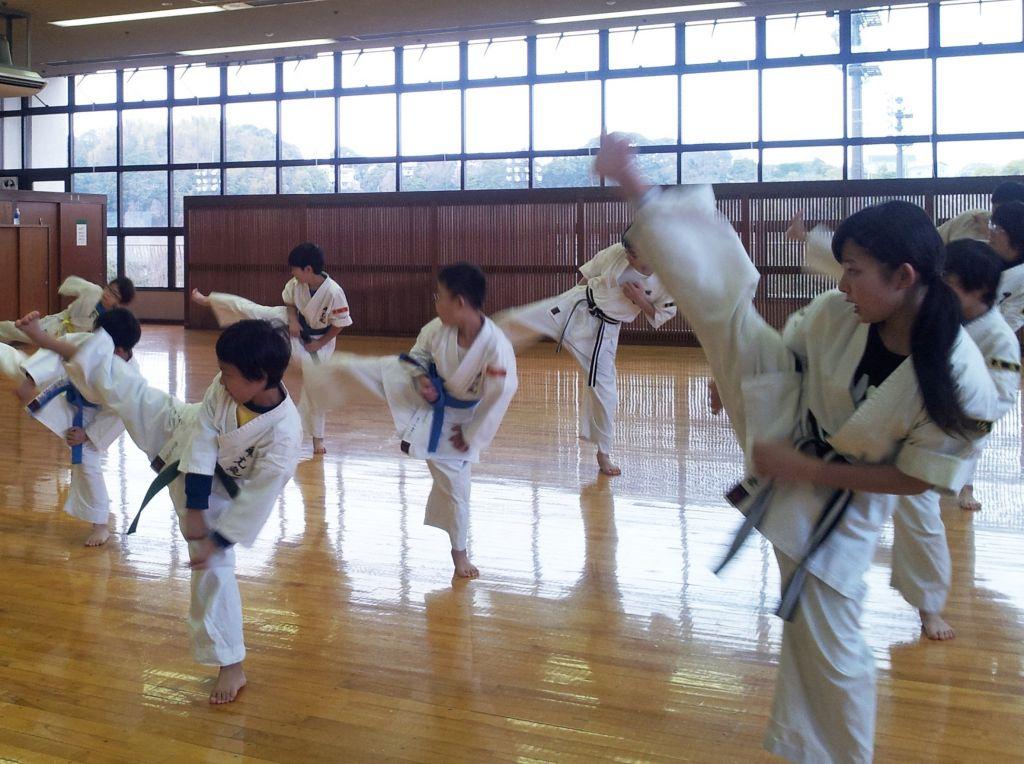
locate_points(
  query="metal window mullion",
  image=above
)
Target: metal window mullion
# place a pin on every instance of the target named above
(399, 76)
(463, 78)
(602, 74)
(760, 52)
(531, 76)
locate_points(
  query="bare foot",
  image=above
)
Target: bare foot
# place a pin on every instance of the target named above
(966, 499)
(200, 299)
(714, 398)
(29, 325)
(463, 567)
(604, 463)
(230, 682)
(319, 449)
(100, 534)
(935, 627)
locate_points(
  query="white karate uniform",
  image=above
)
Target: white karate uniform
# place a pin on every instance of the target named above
(566, 317)
(824, 708)
(1010, 296)
(79, 316)
(325, 308)
(484, 372)
(921, 566)
(261, 456)
(972, 224)
(87, 497)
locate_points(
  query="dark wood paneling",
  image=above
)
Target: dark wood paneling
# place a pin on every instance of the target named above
(385, 248)
(9, 303)
(47, 214)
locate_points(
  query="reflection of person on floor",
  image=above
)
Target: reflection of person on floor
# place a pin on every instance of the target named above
(617, 286)
(245, 433)
(832, 418)
(86, 427)
(447, 396)
(315, 310)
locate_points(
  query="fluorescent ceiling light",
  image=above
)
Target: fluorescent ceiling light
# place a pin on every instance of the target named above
(258, 46)
(137, 16)
(644, 12)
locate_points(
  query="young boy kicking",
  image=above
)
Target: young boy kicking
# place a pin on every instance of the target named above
(315, 309)
(447, 396)
(617, 287)
(91, 301)
(87, 428)
(226, 461)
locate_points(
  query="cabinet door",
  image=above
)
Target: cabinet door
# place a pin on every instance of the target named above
(33, 269)
(9, 302)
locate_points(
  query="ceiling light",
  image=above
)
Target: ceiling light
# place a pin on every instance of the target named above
(137, 16)
(257, 46)
(644, 12)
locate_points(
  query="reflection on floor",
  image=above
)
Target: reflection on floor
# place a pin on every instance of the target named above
(595, 632)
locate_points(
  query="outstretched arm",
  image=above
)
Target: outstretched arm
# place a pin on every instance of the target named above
(616, 160)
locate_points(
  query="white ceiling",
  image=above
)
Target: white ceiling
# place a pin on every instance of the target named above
(353, 23)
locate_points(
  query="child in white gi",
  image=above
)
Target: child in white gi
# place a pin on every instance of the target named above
(87, 428)
(447, 396)
(245, 433)
(617, 286)
(315, 309)
(1006, 236)
(91, 300)
(921, 566)
(829, 456)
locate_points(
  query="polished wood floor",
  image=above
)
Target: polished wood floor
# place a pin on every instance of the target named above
(596, 632)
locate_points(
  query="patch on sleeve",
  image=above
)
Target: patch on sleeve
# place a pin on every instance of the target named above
(997, 363)
(339, 311)
(494, 371)
(670, 304)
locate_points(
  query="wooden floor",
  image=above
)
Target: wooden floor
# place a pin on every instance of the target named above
(596, 632)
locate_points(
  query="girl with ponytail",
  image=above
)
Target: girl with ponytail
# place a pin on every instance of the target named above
(870, 392)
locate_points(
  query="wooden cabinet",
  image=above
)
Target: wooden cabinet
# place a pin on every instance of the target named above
(24, 270)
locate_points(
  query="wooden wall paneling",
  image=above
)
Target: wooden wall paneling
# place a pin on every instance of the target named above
(40, 213)
(34, 247)
(6, 212)
(89, 261)
(9, 297)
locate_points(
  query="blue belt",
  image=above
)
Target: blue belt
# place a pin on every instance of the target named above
(78, 403)
(444, 400)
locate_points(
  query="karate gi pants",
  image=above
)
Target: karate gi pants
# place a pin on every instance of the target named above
(824, 705)
(921, 565)
(598, 403)
(215, 608)
(87, 497)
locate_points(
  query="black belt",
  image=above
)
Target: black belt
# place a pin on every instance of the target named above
(759, 495)
(307, 333)
(601, 316)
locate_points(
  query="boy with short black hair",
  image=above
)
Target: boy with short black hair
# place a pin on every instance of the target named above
(86, 427)
(245, 433)
(315, 310)
(447, 396)
(91, 301)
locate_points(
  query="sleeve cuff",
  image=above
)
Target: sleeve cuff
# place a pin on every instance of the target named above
(197, 490)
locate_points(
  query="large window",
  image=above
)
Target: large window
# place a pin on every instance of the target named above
(888, 91)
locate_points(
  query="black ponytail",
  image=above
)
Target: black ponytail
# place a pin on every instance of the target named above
(899, 232)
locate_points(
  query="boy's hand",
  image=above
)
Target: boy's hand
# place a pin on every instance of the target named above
(75, 436)
(635, 293)
(314, 345)
(457, 440)
(26, 391)
(293, 328)
(797, 230)
(780, 459)
(426, 389)
(195, 524)
(199, 553)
